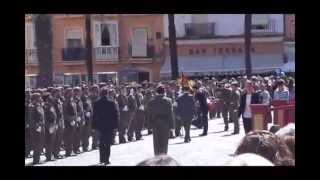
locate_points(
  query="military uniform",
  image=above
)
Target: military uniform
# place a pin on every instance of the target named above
(160, 117)
(70, 115)
(225, 102)
(94, 133)
(124, 117)
(58, 106)
(86, 129)
(50, 129)
(140, 116)
(234, 107)
(132, 105)
(147, 98)
(218, 93)
(37, 130)
(79, 125)
(170, 95)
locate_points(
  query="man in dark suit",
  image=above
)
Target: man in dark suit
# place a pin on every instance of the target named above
(160, 117)
(185, 110)
(105, 120)
(247, 98)
(201, 97)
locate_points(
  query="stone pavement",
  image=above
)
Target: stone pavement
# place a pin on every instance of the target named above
(211, 150)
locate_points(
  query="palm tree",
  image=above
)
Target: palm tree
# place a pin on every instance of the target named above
(247, 43)
(173, 48)
(43, 37)
(89, 49)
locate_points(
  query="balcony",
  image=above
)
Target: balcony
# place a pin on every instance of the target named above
(264, 29)
(31, 56)
(199, 30)
(110, 53)
(73, 54)
(150, 52)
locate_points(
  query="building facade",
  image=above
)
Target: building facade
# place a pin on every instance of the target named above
(125, 47)
(213, 44)
(289, 42)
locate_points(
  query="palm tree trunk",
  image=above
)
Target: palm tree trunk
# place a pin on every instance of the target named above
(43, 34)
(247, 22)
(89, 49)
(173, 48)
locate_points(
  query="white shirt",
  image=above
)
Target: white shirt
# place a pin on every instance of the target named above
(247, 110)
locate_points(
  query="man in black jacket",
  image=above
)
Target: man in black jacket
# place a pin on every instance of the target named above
(250, 96)
(105, 120)
(201, 97)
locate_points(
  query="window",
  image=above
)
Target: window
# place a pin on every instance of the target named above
(158, 35)
(106, 34)
(199, 18)
(73, 38)
(139, 42)
(190, 51)
(260, 21)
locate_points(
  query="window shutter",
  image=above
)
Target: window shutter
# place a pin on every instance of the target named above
(97, 34)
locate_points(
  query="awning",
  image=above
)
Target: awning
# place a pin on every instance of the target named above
(211, 64)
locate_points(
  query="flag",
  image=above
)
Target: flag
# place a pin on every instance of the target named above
(184, 80)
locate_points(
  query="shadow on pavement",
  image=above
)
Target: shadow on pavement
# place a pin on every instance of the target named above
(216, 132)
(228, 135)
(178, 143)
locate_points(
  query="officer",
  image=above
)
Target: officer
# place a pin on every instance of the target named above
(218, 93)
(225, 101)
(70, 115)
(80, 122)
(140, 115)
(58, 106)
(95, 134)
(37, 124)
(87, 108)
(27, 123)
(124, 116)
(234, 106)
(186, 110)
(160, 117)
(132, 105)
(146, 100)
(50, 125)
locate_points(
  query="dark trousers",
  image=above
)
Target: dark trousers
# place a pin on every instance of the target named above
(186, 126)
(204, 119)
(160, 140)
(234, 118)
(27, 138)
(247, 124)
(140, 118)
(77, 138)
(85, 134)
(49, 144)
(69, 139)
(104, 147)
(177, 126)
(123, 124)
(37, 144)
(132, 126)
(95, 138)
(58, 141)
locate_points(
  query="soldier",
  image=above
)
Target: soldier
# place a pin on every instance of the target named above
(58, 106)
(185, 111)
(95, 134)
(170, 94)
(112, 97)
(140, 114)
(37, 124)
(225, 102)
(70, 115)
(79, 120)
(147, 98)
(87, 108)
(234, 106)
(218, 93)
(160, 117)
(50, 125)
(27, 123)
(201, 97)
(132, 104)
(124, 116)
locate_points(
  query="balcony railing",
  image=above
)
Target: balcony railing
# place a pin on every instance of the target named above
(150, 52)
(269, 28)
(31, 56)
(200, 30)
(74, 54)
(107, 53)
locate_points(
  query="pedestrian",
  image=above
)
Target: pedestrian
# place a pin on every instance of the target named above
(160, 118)
(80, 122)
(58, 106)
(186, 111)
(112, 96)
(234, 106)
(147, 98)
(50, 125)
(105, 120)
(247, 98)
(70, 116)
(37, 124)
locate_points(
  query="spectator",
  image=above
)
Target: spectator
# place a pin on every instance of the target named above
(249, 159)
(160, 160)
(291, 87)
(267, 145)
(282, 92)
